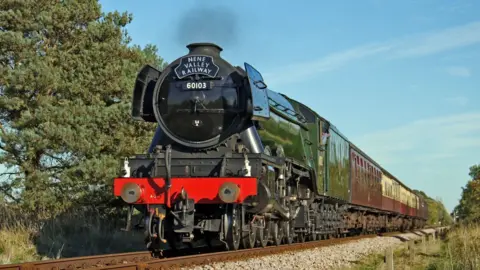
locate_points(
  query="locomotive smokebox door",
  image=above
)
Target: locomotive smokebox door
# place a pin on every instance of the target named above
(258, 88)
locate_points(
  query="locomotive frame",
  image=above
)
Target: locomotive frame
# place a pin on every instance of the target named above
(269, 177)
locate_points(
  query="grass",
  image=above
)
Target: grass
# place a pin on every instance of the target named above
(402, 259)
(16, 245)
(460, 250)
(77, 233)
(463, 247)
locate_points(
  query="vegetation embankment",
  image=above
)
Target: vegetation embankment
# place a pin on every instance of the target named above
(460, 250)
(80, 232)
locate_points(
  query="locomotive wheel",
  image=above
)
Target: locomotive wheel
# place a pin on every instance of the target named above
(278, 233)
(263, 234)
(289, 231)
(312, 236)
(248, 238)
(301, 237)
(233, 236)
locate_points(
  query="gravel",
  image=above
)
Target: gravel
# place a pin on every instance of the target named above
(331, 257)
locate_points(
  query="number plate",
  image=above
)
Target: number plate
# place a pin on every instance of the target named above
(197, 85)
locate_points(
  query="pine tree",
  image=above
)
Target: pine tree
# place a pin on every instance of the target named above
(66, 77)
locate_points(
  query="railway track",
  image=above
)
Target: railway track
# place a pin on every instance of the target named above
(144, 261)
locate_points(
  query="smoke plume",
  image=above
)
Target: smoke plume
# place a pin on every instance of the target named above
(208, 24)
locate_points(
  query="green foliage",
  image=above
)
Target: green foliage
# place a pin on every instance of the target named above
(475, 172)
(469, 208)
(436, 210)
(66, 79)
(438, 213)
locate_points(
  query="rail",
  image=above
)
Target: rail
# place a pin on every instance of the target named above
(84, 262)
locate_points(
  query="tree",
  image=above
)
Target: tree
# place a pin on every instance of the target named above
(475, 172)
(443, 216)
(469, 206)
(66, 79)
(436, 209)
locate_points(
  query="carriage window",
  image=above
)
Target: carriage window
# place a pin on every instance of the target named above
(357, 169)
(370, 175)
(362, 171)
(374, 178)
(365, 169)
(354, 166)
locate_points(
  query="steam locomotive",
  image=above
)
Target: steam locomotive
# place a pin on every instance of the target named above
(237, 164)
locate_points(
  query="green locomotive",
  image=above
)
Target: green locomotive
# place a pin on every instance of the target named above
(234, 162)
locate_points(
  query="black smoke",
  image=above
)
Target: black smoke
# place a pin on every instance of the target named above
(215, 24)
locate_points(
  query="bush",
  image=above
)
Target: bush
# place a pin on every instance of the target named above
(463, 247)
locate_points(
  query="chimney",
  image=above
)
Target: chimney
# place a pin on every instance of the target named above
(210, 49)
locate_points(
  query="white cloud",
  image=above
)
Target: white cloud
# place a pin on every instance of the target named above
(459, 71)
(457, 101)
(424, 141)
(330, 62)
(439, 41)
(412, 46)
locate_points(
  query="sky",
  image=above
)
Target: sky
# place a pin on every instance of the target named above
(399, 78)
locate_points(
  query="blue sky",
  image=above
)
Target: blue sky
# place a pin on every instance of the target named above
(399, 78)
